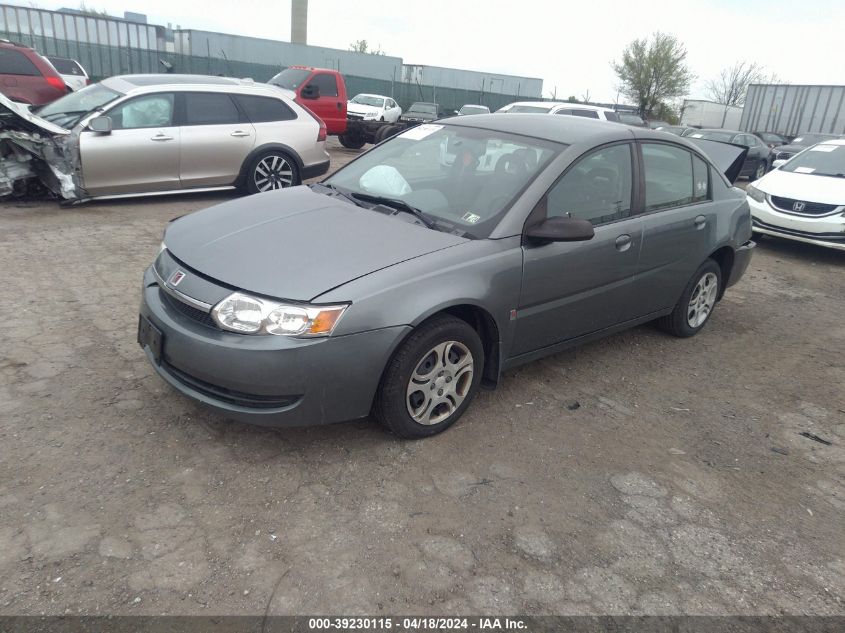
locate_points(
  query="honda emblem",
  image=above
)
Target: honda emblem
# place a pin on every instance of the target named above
(175, 278)
(798, 207)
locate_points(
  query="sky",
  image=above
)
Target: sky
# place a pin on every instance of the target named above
(570, 45)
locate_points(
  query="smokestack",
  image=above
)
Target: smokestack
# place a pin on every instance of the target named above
(299, 21)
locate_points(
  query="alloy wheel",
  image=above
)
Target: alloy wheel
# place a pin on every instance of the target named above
(273, 172)
(440, 383)
(702, 300)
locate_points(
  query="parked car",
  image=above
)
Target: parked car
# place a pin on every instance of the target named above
(27, 77)
(473, 109)
(757, 161)
(783, 153)
(556, 107)
(366, 107)
(629, 118)
(771, 139)
(655, 124)
(421, 112)
(804, 199)
(396, 288)
(141, 134)
(71, 71)
(677, 130)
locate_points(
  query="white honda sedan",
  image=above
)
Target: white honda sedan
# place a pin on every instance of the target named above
(373, 108)
(804, 199)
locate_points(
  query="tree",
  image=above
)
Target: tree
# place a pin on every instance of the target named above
(86, 10)
(653, 71)
(585, 98)
(362, 46)
(732, 85)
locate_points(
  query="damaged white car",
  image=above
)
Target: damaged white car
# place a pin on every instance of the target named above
(152, 134)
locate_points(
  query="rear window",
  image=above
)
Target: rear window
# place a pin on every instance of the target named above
(207, 108)
(66, 66)
(264, 109)
(16, 63)
(527, 109)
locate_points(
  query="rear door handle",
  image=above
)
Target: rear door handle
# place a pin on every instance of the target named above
(240, 133)
(700, 222)
(161, 137)
(623, 242)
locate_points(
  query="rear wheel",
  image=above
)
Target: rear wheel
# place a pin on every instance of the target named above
(431, 379)
(761, 170)
(271, 170)
(696, 304)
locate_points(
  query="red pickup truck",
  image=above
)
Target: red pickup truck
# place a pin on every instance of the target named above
(323, 92)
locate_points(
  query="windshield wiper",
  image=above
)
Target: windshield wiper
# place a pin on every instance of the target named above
(399, 205)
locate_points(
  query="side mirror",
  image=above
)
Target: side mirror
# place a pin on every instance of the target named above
(561, 229)
(100, 124)
(310, 91)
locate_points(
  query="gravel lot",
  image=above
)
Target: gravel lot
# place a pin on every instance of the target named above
(639, 474)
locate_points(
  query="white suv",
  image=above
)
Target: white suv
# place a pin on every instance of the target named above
(557, 107)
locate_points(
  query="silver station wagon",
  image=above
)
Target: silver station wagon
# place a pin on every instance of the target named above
(143, 134)
(435, 261)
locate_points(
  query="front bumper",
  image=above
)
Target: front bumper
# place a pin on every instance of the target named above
(827, 231)
(267, 380)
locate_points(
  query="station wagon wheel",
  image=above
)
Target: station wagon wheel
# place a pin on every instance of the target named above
(431, 379)
(272, 170)
(697, 302)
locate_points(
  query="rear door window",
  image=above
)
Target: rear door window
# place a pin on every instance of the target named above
(264, 109)
(587, 114)
(16, 63)
(612, 116)
(210, 108)
(668, 176)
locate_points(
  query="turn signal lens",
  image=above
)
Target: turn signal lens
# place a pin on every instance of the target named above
(325, 321)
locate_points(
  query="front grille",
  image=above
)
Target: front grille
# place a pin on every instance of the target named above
(195, 314)
(836, 238)
(229, 396)
(810, 208)
(355, 117)
(784, 156)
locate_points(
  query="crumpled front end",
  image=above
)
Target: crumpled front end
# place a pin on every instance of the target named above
(36, 156)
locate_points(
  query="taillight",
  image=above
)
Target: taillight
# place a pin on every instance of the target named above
(87, 81)
(321, 135)
(57, 82)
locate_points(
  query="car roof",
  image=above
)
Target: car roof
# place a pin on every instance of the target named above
(141, 84)
(569, 130)
(716, 129)
(370, 94)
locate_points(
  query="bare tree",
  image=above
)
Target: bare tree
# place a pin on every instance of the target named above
(732, 85)
(363, 46)
(653, 71)
(585, 98)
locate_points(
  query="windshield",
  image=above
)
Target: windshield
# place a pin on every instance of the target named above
(72, 108)
(426, 108)
(631, 119)
(812, 139)
(528, 108)
(470, 109)
(290, 78)
(368, 100)
(463, 178)
(820, 160)
(770, 138)
(723, 137)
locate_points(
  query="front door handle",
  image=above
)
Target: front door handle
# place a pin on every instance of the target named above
(623, 242)
(339, 104)
(700, 222)
(161, 137)
(240, 133)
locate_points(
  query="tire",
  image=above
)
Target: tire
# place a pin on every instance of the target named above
(686, 319)
(271, 170)
(419, 362)
(761, 170)
(351, 142)
(378, 137)
(391, 130)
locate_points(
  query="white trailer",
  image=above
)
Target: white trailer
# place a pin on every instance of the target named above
(708, 114)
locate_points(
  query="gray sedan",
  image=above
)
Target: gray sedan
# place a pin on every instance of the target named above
(434, 262)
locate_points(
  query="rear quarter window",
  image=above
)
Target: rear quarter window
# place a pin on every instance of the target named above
(16, 63)
(66, 66)
(264, 109)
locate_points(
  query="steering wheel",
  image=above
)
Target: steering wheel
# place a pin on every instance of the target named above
(512, 165)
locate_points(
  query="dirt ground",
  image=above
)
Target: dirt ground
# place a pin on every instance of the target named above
(639, 474)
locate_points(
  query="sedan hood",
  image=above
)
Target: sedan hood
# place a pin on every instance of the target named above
(16, 116)
(295, 243)
(419, 116)
(360, 108)
(805, 187)
(792, 149)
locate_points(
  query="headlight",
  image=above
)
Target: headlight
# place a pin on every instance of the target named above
(755, 194)
(242, 313)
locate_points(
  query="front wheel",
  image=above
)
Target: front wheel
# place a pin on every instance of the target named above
(696, 304)
(761, 170)
(431, 379)
(271, 170)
